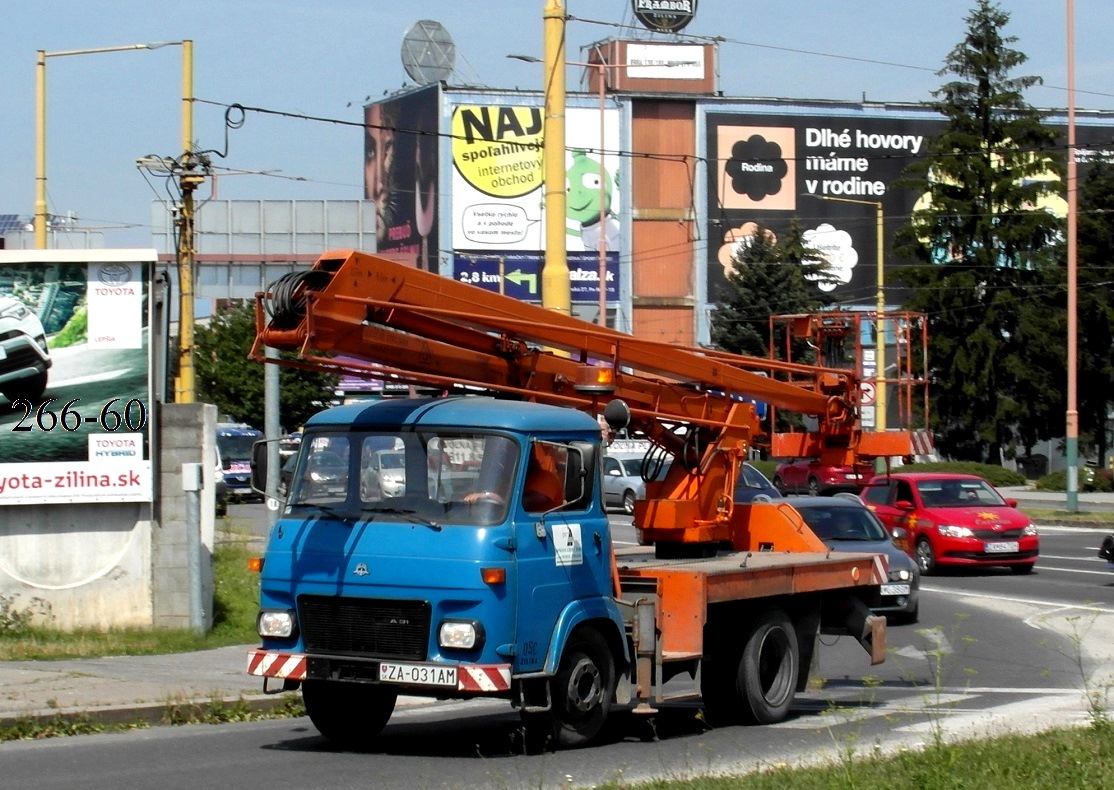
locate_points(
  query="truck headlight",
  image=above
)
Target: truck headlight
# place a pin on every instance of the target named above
(276, 624)
(460, 634)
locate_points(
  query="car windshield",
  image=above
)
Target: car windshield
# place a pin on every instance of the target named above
(959, 493)
(235, 447)
(843, 523)
(424, 477)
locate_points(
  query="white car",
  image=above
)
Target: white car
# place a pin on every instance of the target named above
(24, 357)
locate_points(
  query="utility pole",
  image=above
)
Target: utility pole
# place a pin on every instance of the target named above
(556, 291)
(189, 180)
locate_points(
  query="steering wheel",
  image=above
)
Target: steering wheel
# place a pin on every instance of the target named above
(485, 497)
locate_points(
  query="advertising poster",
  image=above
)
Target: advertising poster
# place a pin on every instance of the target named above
(401, 142)
(832, 173)
(75, 407)
(498, 233)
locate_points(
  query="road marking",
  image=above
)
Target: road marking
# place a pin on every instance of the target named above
(1044, 567)
(1012, 599)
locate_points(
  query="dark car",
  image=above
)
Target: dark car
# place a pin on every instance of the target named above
(752, 486)
(846, 524)
(955, 519)
(810, 476)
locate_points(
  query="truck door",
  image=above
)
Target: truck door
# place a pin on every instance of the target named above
(564, 550)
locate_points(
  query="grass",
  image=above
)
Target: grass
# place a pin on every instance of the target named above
(1075, 758)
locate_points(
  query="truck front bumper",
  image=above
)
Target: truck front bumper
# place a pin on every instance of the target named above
(469, 678)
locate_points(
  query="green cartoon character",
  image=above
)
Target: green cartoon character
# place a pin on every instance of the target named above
(585, 200)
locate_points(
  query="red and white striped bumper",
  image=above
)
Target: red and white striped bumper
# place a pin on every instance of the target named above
(269, 664)
(476, 678)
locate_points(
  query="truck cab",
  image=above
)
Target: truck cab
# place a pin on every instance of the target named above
(463, 583)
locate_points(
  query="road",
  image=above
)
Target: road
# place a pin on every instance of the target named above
(992, 650)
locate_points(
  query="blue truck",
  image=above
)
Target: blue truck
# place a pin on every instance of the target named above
(464, 581)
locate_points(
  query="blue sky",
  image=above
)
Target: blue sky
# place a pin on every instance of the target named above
(327, 59)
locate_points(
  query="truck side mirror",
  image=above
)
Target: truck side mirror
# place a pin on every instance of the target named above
(260, 465)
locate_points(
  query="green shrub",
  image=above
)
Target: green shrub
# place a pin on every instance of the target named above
(1089, 479)
(997, 476)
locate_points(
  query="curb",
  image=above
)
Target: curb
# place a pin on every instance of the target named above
(149, 713)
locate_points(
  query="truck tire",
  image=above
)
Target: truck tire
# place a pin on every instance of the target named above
(348, 714)
(581, 692)
(756, 685)
(768, 671)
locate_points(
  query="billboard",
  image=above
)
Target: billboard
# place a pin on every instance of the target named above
(401, 141)
(498, 234)
(832, 173)
(75, 376)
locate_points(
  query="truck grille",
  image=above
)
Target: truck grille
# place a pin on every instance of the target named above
(365, 627)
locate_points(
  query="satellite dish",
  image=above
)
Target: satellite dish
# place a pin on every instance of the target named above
(428, 52)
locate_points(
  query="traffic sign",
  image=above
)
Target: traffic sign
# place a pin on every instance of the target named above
(868, 393)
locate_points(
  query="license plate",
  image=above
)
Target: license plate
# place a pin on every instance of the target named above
(1002, 547)
(895, 589)
(853, 477)
(417, 674)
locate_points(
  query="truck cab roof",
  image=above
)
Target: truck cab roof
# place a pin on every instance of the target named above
(479, 412)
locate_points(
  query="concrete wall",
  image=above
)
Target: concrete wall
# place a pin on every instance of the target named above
(85, 565)
(187, 435)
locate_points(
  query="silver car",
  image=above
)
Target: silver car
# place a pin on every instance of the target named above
(24, 358)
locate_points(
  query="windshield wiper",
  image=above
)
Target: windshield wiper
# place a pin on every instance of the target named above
(326, 510)
(411, 516)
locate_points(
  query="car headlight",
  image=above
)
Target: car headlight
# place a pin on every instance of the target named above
(460, 634)
(900, 575)
(276, 624)
(1030, 530)
(952, 531)
(16, 310)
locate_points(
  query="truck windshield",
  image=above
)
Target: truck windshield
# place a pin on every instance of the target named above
(441, 478)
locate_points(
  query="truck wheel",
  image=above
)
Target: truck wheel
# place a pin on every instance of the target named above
(755, 686)
(628, 502)
(348, 714)
(581, 690)
(768, 671)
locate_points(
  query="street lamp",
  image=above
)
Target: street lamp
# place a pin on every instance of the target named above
(880, 310)
(184, 385)
(1072, 416)
(40, 119)
(601, 82)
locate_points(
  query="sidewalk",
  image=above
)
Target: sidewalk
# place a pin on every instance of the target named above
(126, 689)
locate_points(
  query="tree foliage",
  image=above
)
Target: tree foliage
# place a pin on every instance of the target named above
(768, 277)
(1095, 303)
(225, 376)
(987, 252)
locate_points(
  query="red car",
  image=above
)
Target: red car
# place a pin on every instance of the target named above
(805, 476)
(954, 519)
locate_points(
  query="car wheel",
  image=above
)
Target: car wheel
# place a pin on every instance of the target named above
(813, 487)
(30, 389)
(1021, 570)
(926, 557)
(779, 484)
(628, 502)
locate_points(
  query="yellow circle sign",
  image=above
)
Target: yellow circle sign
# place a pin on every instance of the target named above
(498, 150)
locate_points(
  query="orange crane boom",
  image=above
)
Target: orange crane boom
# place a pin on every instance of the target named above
(392, 322)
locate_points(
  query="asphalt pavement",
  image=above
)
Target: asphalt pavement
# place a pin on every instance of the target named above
(166, 688)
